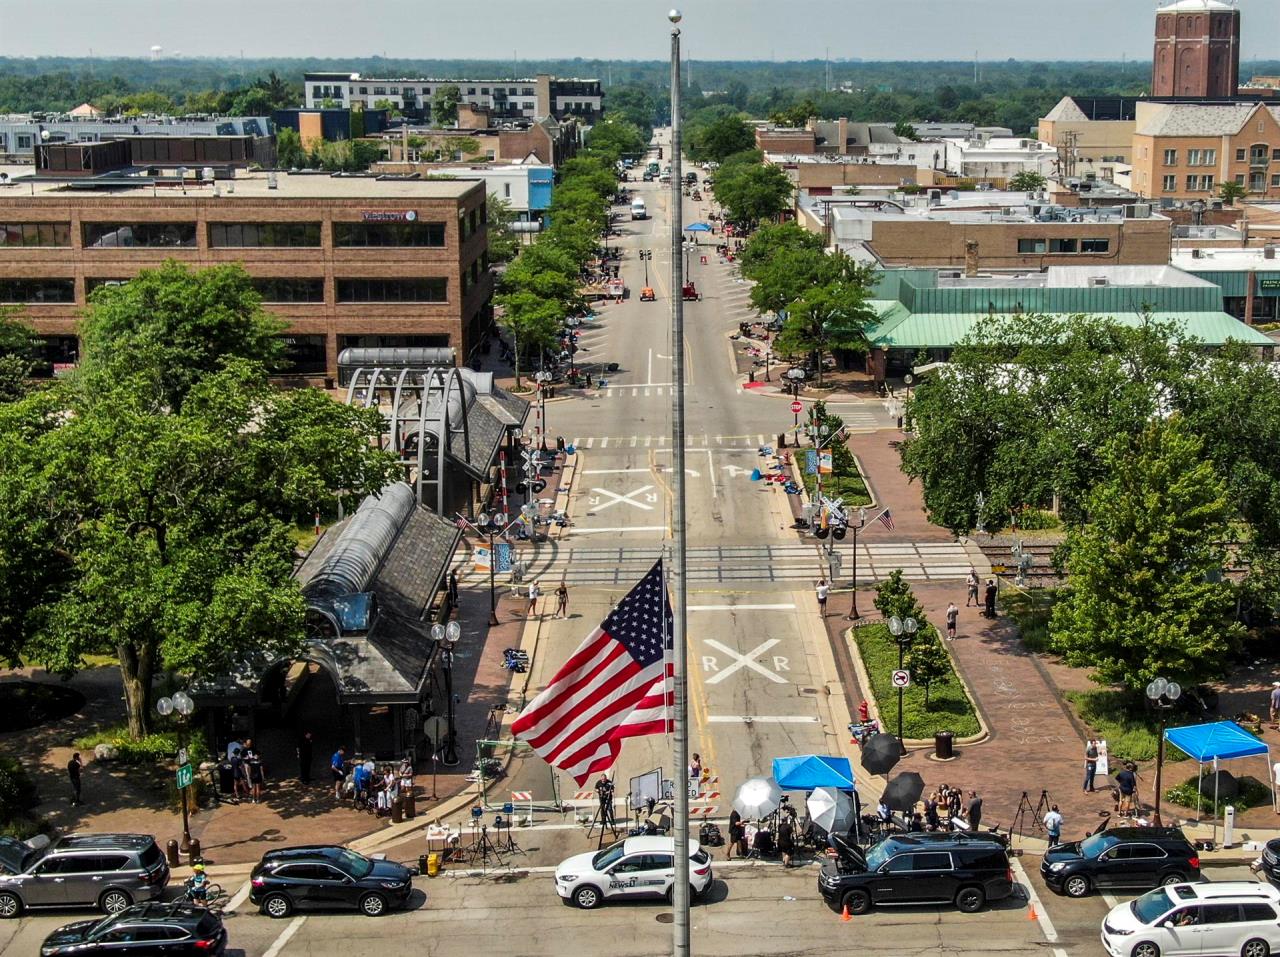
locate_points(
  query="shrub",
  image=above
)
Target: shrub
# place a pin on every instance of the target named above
(1253, 793)
(1036, 520)
(1031, 611)
(161, 746)
(949, 707)
(18, 792)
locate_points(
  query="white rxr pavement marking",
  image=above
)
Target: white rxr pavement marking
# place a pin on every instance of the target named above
(628, 499)
(745, 661)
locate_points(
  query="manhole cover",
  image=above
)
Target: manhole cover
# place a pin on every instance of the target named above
(808, 690)
(666, 918)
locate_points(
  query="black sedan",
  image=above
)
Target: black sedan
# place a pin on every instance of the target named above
(327, 876)
(144, 930)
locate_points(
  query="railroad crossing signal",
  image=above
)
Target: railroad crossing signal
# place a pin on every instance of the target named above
(902, 679)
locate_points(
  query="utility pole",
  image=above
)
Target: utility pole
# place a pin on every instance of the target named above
(679, 652)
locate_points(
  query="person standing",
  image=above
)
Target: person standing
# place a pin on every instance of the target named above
(990, 610)
(822, 590)
(737, 836)
(74, 767)
(786, 839)
(974, 810)
(338, 768)
(1275, 702)
(1090, 764)
(953, 613)
(238, 780)
(453, 588)
(533, 599)
(562, 601)
(1053, 825)
(972, 581)
(305, 745)
(1127, 782)
(931, 812)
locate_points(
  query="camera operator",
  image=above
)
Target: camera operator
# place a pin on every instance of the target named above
(604, 792)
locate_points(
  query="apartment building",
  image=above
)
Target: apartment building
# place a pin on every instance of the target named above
(346, 260)
(22, 133)
(528, 98)
(1186, 151)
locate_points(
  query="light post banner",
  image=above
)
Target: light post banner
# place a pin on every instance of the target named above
(824, 462)
(811, 462)
(504, 556)
(482, 557)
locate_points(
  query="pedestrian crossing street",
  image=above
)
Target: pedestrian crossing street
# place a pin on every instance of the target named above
(795, 563)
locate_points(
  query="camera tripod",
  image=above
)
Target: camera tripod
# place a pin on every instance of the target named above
(1037, 813)
(484, 849)
(604, 820)
(507, 844)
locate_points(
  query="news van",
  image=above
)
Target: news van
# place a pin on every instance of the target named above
(638, 210)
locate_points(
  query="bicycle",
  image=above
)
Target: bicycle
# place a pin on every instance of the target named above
(211, 896)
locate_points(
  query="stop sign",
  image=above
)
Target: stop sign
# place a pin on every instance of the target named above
(797, 407)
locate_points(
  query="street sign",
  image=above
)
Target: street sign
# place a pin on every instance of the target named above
(998, 569)
(797, 407)
(901, 679)
(435, 728)
(182, 756)
(184, 776)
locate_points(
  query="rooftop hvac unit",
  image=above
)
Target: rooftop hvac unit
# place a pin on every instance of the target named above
(1197, 254)
(1269, 251)
(1137, 211)
(1099, 281)
(950, 273)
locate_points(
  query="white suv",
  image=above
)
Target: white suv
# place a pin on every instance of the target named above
(632, 868)
(1220, 918)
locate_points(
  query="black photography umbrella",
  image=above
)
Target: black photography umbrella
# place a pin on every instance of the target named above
(903, 791)
(880, 753)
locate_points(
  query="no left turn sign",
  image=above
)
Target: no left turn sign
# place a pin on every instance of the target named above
(901, 679)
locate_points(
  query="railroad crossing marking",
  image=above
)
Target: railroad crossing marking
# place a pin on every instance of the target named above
(745, 661)
(628, 499)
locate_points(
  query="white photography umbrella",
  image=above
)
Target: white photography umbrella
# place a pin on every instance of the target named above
(757, 798)
(831, 809)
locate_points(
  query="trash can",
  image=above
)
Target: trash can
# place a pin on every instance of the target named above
(943, 745)
(410, 805)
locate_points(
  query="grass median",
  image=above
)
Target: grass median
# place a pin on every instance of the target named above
(848, 488)
(949, 708)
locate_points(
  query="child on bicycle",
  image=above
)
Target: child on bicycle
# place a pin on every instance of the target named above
(198, 885)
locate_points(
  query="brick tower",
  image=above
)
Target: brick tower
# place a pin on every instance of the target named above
(1197, 50)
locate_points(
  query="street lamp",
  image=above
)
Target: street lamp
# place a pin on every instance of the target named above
(181, 703)
(645, 256)
(490, 524)
(903, 632)
(853, 579)
(1163, 695)
(447, 637)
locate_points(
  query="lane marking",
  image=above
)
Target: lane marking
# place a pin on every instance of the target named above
(612, 471)
(627, 499)
(715, 491)
(1111, 900)
(1033, 899)
(790, 607)
(619, 528)
(762, 718)
(745, 661)
(239, 898)
(285, 936)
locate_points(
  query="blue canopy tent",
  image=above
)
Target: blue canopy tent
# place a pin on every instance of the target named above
(1218, 741)
(808, 771)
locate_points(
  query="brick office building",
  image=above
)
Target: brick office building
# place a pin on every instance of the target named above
(346, 260)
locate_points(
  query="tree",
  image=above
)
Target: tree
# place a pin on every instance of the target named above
(533, 322)
(388, 105)
(796, 116)
(895, 597)
(767, 241)
(289, 151)
(720, 138)
(1027, 181)
(753, 194)
(617, 138)
(835, 315)
(905, 130)
(19, 349)
(444, 104)
(503, 241)
(181, 323)
(927, 661)
(1231, 191)
(1147, 598)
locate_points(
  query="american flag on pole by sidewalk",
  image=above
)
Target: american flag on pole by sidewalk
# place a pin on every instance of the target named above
(885, 518)
(617, 685)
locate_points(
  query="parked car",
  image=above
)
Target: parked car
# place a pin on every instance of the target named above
(143, 929)
(107, 871)
(1214, 919)
(327, 876)
(632, 868)
(1122, 857)
(1271, 860)
(963, 869)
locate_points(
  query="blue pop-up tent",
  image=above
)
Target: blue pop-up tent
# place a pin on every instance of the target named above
(805, 772)
(1218, 741)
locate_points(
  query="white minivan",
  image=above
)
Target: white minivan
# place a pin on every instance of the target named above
(1218, 918)
(638, 210)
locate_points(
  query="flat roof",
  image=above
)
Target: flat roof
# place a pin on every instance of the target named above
(247, 185)
(1076, 277)
(1217, 259)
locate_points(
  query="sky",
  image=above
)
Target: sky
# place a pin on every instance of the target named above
(612, 29)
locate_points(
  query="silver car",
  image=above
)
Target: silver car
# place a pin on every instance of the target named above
(106, 871)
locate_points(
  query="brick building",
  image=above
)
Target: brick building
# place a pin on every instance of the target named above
(347, 260)
(1197, 49)
(1187, 151)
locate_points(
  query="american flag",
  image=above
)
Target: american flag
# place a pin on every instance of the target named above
(885, 518)
(617, 685)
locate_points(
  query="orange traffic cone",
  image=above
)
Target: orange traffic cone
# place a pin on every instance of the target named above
(844, 914)
(1031, 913)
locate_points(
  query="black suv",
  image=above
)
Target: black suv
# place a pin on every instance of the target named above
(327, 876)
(107, 871)
(964, 869)
(143, 929)
(1124, 857)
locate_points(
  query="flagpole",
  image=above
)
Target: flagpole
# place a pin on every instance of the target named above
(680, 892)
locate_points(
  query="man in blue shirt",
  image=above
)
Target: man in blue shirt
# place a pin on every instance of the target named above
(338, 767)
(1127, 782)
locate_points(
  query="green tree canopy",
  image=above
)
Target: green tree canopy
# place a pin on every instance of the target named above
(444, 104)
(834, 315)
(928, 661)
(1146, 596)
(616, 137)
(754, 194)
(1027, 181)
(504, 243)
(768, 240)
(719, 138)
(19, 349)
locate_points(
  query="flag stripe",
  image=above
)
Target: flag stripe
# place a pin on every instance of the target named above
(547, 708)
(604, 714)
(650, 707)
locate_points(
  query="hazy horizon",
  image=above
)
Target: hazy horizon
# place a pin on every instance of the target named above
(904, 30)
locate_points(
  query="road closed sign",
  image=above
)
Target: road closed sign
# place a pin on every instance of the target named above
(901, 679)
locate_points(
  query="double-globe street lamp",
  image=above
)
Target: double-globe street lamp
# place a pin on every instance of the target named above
(853, 578)
(447, 637)
(182, 704)
(491, 524)
(903, 631)
(1163, 695)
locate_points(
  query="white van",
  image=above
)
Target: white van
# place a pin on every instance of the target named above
(638, 210)
(1217, 918)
